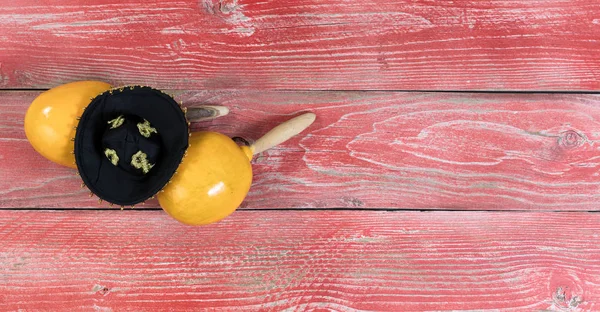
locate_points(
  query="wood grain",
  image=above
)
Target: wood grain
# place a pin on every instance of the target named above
(304, 44)
(372, 150)
(276, 260)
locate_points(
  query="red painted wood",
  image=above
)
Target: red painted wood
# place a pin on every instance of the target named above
(275, 260)
(304, 44)
(372, 150)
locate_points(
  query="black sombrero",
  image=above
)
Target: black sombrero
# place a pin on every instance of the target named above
(129, 142)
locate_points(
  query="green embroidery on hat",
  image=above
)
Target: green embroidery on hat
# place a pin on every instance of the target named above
(139, 160)
(145, 128)
(117, 122)
(111, 154)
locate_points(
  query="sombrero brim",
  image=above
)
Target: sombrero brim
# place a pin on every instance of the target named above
(110, 183)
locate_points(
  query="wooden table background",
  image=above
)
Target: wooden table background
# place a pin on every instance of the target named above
(454, 163)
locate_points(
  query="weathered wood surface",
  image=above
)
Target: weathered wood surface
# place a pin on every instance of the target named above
(304, 44)
(372, 150)
(303, 260)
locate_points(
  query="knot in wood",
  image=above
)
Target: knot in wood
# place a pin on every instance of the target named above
(567, 291)
(570, 139)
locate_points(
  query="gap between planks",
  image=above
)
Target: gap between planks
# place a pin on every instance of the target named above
(590, 92)
(341, 209)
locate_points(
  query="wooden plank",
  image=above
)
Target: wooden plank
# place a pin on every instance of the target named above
(276, 260)
(372, 150)
(304, 44)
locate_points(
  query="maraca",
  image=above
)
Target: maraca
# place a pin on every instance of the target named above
(52, 117)
(133, 142)
(214, 178)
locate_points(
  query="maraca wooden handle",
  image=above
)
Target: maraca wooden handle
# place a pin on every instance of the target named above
(206, 112)
(283, 132)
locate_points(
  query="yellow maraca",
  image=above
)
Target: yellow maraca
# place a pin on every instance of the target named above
(51, 119)
(214, 178)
